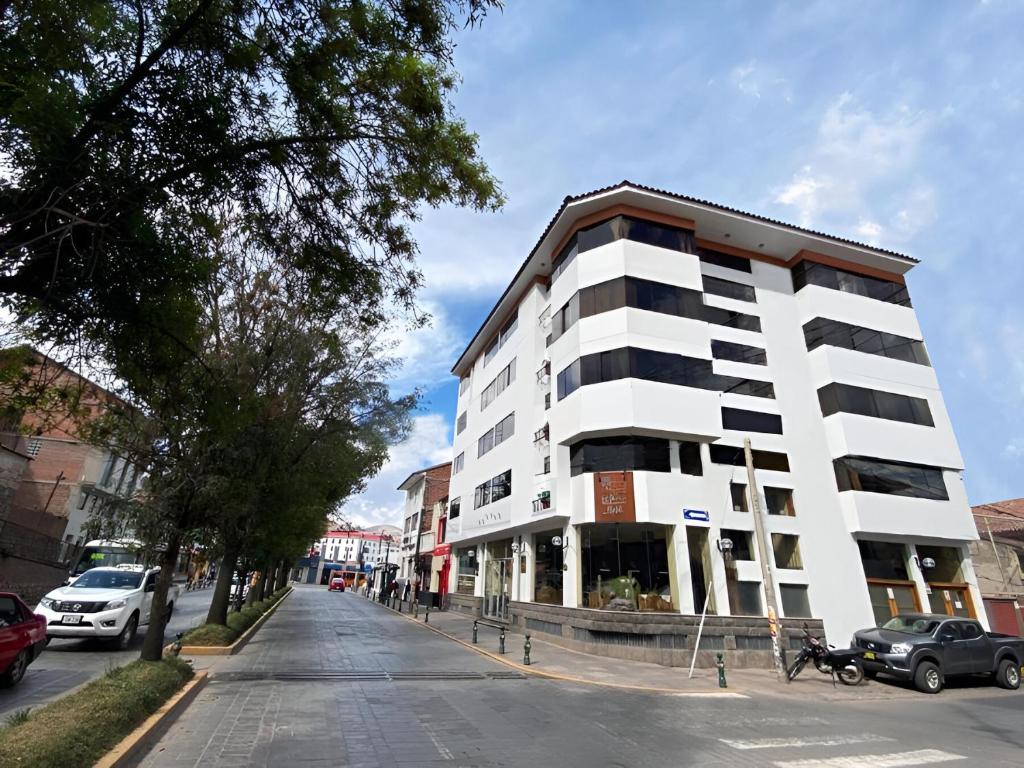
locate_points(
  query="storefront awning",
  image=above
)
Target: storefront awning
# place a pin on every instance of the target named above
(442, 549)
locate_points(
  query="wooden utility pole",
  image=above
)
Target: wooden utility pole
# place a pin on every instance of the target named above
(762, 555)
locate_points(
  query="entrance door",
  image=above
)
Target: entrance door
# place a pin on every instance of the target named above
(889, 598)
(497, 588)
(1002, 616)
(952, 599)
(700, 568)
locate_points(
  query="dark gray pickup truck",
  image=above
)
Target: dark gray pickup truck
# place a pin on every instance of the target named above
(928, 648)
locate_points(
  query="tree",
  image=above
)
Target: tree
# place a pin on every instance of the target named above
(325, 124)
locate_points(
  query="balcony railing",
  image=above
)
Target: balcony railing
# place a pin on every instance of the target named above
(539, 505)
(541, 435)
(544, 373)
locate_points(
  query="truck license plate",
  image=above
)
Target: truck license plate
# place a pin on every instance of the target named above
(71, 619)
(869, 654)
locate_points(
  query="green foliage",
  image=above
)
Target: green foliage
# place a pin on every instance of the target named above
(327, 125)
(238, 623)
(76, 730)
(210, 634)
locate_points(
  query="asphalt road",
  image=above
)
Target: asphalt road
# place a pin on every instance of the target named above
(332, 680)
(66, 664)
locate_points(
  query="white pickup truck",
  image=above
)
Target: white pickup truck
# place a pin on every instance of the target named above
(106, 603)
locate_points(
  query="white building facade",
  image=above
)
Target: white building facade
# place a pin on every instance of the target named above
(598, 451)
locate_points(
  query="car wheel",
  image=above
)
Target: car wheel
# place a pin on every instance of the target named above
(124, 640)
(927, 677)
(16, 671)
(1008, 675)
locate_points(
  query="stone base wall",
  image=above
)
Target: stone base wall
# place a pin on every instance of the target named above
(29, 578)
(668, 639)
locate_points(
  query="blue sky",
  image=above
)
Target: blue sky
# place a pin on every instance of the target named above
(900, 124)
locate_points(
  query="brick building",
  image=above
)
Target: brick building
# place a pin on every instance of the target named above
(424, 489)
(999, 563)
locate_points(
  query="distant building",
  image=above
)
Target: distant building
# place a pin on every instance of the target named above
(423, 490)
(353, 553)
(998, 558)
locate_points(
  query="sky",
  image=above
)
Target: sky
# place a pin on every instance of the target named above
(897, 124)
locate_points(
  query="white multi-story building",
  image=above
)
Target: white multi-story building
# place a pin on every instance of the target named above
(603, 406)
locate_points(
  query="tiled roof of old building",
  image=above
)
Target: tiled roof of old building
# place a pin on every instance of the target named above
(1005, 518)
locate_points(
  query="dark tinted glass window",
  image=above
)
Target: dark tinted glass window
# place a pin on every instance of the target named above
(730, 319)
(856, 473)
(611, 454)
(741, 543)
(810, 273)
(619, 228)
(709, 256)
(740, 353)
(729, 454)
(494, 489)
(728, 288)
(649, 365)
(822, 331)
(689, 459)
(738, 494)
(883, 560)
(455, 508)
(844, 398)
(751, 421)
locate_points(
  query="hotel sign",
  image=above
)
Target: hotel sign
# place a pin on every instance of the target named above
(613, 497)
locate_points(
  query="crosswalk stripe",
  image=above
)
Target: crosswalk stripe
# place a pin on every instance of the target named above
(804, 741)
(891, 760)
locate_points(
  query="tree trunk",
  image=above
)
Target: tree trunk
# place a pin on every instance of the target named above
(218, 613)
(282, 575)
(153, 644)
(243, 579)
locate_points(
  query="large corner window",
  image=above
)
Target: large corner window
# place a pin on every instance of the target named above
(824, 332)
(844, 398)
(622, 228)
(895, 478)
(651, 365)
(616, 454)
(548, 562)
(625, 567)
(811, 273)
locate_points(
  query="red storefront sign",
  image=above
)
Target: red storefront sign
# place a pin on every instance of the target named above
(442, 550)
(613, 497)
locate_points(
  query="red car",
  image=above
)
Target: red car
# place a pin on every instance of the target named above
(336, 584)
(22, 638)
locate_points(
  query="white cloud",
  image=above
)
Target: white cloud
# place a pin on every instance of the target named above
(857, 174)
(755, 79)
(426, 446)
(1014, 449)
(427, 353)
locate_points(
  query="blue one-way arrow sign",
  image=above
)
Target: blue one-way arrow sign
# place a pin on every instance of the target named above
(696, 514)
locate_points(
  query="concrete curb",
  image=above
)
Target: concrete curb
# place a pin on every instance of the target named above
(235, 647)
(569, 678)
(135, 744)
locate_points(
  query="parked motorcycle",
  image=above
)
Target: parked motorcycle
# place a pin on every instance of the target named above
(844, 664)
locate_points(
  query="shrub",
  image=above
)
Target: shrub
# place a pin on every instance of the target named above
(238, 623)
(210, 634)
(76, 730)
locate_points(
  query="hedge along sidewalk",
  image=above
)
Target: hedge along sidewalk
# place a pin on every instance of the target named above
(239, 643)
(78, 729)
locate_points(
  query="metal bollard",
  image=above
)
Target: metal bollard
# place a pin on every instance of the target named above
(474, 632)
(721, 671)
(501, 641)
(426, 616)
(526, 651)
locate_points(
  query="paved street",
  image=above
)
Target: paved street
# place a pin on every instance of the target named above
(66, 664)
(333, 679)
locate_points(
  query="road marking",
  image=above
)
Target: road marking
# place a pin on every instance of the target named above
(807, 741)
(892, 760)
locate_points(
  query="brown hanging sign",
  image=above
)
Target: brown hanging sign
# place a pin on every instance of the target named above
(613, 497)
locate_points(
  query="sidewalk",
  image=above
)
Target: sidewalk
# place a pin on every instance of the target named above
(554, 661)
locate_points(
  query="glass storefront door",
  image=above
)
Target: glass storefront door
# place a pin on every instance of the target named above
(498, 580)
(949, 593)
